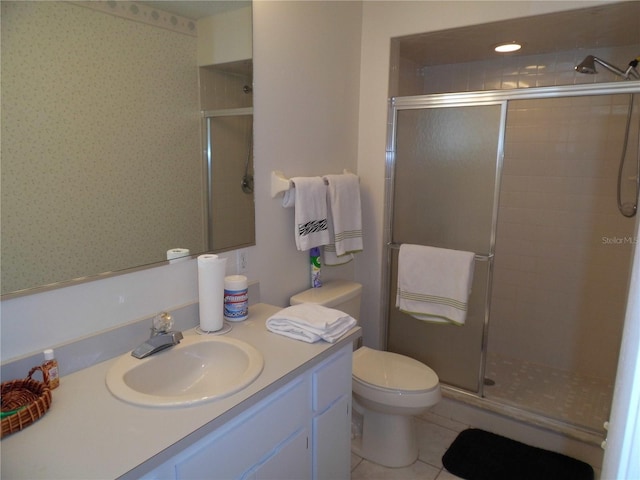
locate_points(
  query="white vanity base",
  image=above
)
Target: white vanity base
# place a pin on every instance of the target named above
(295, 417)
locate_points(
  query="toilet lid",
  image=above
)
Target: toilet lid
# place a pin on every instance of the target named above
(392, 370)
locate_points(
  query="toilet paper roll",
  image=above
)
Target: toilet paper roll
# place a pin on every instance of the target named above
(177, 253)
(211, 270)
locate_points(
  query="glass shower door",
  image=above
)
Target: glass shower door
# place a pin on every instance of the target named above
(445, 171)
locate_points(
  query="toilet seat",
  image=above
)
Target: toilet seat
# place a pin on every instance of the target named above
(391, 371)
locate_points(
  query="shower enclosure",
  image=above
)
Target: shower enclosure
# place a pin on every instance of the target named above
(525, 179)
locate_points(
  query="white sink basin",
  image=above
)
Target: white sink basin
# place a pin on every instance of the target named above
(199, 369)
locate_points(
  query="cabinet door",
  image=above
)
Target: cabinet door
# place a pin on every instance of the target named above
(231, 451)
(332, 379)
(290, 461)
(331, 442)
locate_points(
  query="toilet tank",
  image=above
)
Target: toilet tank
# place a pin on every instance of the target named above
(342, 295)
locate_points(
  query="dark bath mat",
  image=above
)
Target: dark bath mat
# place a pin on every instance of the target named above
(479, 455)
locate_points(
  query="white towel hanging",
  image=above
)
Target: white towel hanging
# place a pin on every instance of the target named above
(310, 229)
(434, 283)
(345, 213)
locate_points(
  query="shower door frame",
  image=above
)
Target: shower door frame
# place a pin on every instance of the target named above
(464, 99)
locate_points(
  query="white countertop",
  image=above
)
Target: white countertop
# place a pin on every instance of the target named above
(88, 433)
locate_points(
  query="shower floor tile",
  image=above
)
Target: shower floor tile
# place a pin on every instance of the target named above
(576, 399)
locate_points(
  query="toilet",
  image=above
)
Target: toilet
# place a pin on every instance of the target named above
(388, 388)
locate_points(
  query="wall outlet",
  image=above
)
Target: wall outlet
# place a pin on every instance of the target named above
(243, 261)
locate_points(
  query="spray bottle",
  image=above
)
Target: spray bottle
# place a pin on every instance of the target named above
(314, 255)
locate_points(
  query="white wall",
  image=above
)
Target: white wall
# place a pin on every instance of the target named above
(307, 73)
(621, 459)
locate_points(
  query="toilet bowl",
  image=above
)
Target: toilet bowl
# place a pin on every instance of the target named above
(389, 389)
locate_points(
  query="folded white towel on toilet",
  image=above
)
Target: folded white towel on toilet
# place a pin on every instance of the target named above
(434, 283)
(310, 323)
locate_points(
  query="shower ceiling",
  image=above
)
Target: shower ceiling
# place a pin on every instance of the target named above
(607, 25)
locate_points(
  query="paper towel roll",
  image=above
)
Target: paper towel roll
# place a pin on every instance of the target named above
(211, 271)
(177, 253)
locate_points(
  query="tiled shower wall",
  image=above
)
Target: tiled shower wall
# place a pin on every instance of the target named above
(562, 249)
(515, 71)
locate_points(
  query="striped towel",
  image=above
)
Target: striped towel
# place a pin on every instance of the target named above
(434, 283)
(311, 228)
(346, 214)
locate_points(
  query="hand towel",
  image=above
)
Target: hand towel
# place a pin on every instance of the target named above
(331, 259)
(310, 212)
(329, 256)
(434, 283)
(310, 323)
(346, 214)
(289, 198)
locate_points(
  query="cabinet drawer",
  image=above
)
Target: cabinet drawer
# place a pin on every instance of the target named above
(332, 379)
(230, 452)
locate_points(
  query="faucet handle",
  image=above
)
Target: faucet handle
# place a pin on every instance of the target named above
(162, 323)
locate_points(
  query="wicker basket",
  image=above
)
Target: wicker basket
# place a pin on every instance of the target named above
(28, 399)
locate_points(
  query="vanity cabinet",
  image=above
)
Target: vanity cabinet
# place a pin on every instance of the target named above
(331, 383)
(300, 431)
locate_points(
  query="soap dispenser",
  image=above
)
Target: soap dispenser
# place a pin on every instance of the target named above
(50, 369)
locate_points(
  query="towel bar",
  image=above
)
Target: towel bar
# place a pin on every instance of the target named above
(280, 183)
(478, 257)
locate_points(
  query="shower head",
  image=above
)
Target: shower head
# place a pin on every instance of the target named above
(588, 65)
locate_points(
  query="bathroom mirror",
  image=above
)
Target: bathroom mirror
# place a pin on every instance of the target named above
(104, 155)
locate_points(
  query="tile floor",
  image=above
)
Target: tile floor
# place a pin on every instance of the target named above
(566, 396)
(435, 434)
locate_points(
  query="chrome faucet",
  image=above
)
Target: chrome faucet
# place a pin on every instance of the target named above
(161, 337)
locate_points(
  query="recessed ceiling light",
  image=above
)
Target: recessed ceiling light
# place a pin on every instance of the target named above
(507, 47)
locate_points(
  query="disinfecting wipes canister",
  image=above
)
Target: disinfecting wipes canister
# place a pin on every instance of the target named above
(236, 298)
